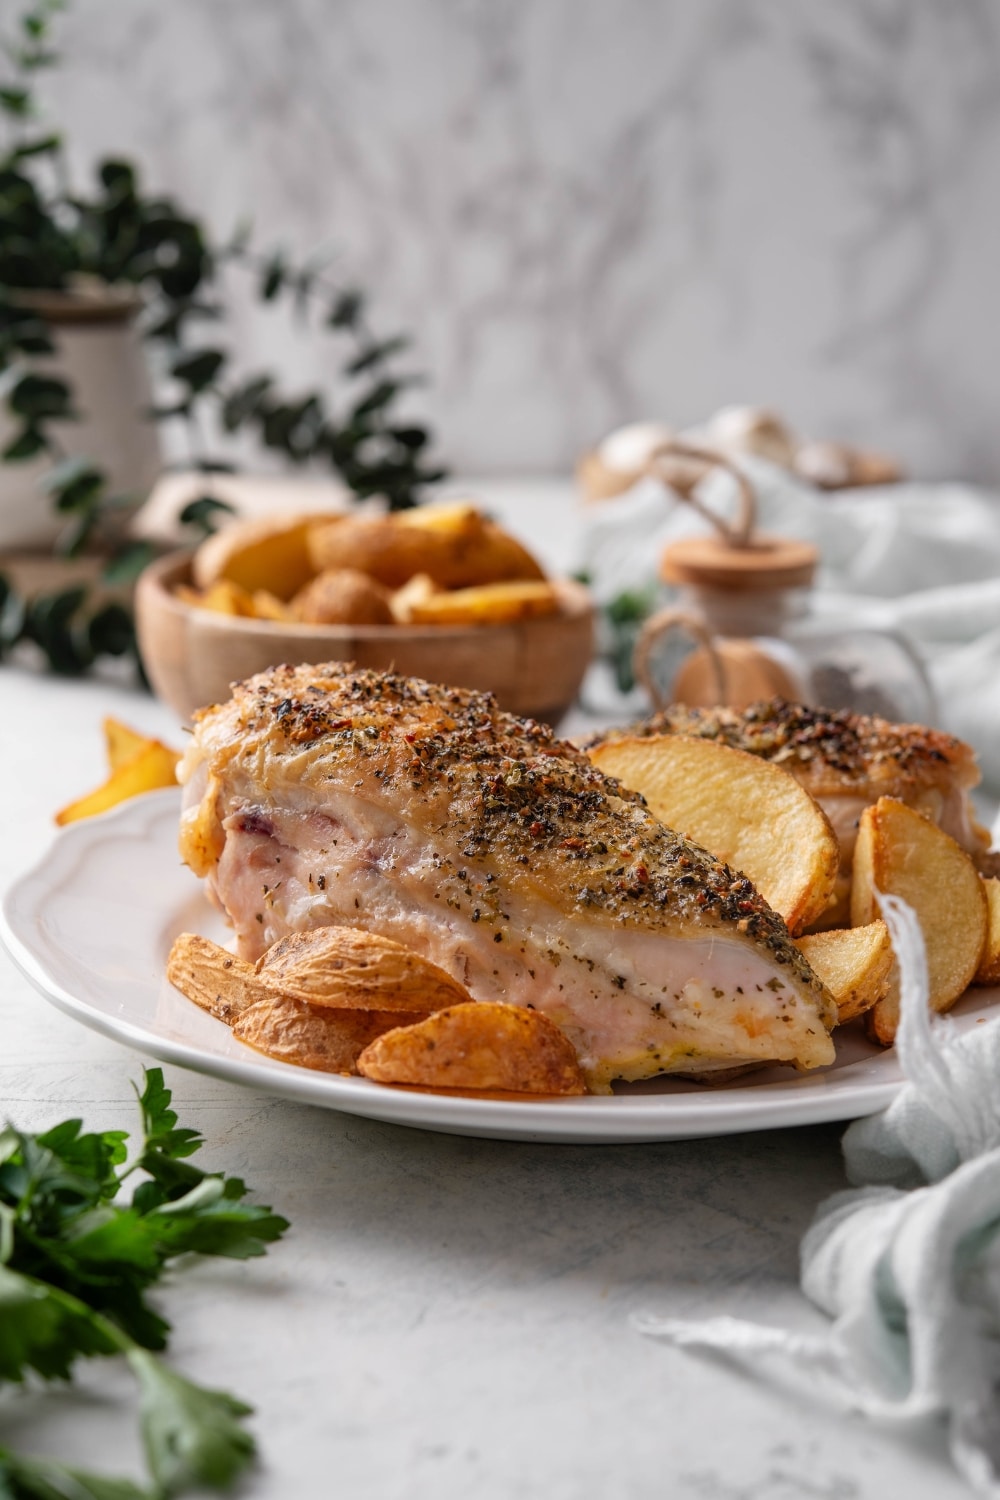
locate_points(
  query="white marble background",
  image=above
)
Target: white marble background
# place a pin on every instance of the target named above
(588, 211)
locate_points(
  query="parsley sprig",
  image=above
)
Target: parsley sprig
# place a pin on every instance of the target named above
(80, 1250)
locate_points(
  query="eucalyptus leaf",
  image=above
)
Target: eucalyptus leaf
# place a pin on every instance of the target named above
(376, 354)
(48, 623)
(40, 396)
(13, 611)
(28, 443)
(69, 472)
(203, 513)
(198, 370)
(81, 496)
(379, 397)
(112, 230)
(111, 631)
(245, 401)
(127, 564)
(346, 310)
(44, 145)
(412, 437)
(169, 411)
(117, 174)
(15, 101)
(76, 533)
(273, 278)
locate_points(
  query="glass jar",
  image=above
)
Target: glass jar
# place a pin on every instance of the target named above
(743, 627)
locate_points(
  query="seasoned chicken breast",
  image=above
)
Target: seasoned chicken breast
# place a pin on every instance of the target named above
(318, 796)
(847, 762)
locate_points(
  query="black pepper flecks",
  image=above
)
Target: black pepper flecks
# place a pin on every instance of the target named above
(499, 793)
(855, 747)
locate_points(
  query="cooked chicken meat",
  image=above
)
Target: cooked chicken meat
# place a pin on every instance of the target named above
(318, 796)
(846, 761)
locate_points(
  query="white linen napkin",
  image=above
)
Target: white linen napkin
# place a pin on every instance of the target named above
(907, 1263)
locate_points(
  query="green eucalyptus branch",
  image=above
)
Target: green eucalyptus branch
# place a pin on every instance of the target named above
(52, 239)
(70, 629)
(119, 236)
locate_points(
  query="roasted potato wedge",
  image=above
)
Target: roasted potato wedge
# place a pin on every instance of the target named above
(345, 968)
(457, 548)
(456, 519)
(221, 598)
(270, 553)
(121, 743)
(267, 606)
(343, 596)
(283, 1027)
(902, 853)
(488, 604)
(214, 978)
(482, 552)
(988, 971)
(402, 601)
(378, 547)
(482, 1046)
(227, 598)
(153, 767)
(330, 1041)
(744, 810)
(855, 963)
(188, 595)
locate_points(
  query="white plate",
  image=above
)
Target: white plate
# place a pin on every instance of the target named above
(91, 927)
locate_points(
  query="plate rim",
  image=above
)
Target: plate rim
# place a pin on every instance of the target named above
(801, 1099)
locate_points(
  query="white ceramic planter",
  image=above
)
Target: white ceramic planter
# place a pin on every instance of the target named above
(99, 353)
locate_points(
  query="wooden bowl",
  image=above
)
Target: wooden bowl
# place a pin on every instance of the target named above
(192, 655)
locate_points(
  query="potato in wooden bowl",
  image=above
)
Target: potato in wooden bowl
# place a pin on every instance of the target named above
(441, 593)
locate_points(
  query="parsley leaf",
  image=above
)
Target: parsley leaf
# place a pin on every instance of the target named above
(78, 1256)
(191, 1435)
(160, 1121)
(44, 1330)
(211, 1220)
(40, 1479)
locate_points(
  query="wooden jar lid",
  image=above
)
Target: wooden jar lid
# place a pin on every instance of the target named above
(766, 562)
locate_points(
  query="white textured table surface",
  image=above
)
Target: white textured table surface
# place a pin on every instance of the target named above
(447, 1317)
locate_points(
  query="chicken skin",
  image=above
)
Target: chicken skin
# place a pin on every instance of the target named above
(318, 795)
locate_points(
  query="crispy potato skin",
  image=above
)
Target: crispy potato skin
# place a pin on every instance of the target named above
(213, 978)
(345, 968)
(153, 767)
(269, 553)
(276, 1023)
(988, 971)
(483, 1046)
(342, 596)
(486, 604)
(267, 606)
(902, 853)
(329, 1041)
(121, 743)
(744, 810)
(855, 963)
(316, 1006)
(392, 550)
(414, 592)
(358, 570)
